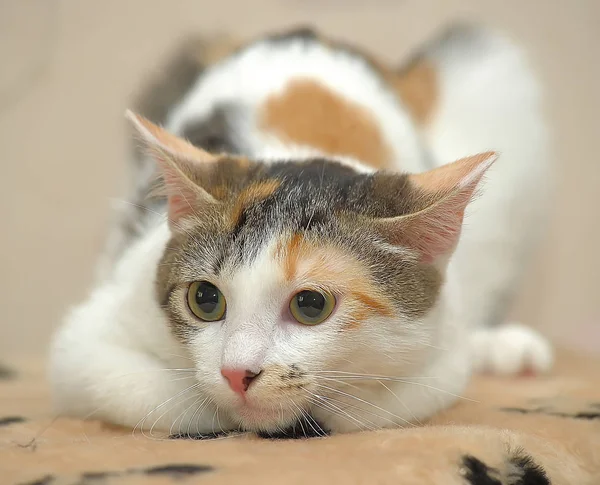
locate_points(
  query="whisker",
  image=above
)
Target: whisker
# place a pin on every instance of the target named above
(219, 421)
(352, 376)
(340, 373)
(320, 403)
(181, 416)
(365, 402)
(141, 421)
(179, 401)
(309, 420)
(197, 412)
(322, 400)
(338, 381)
(343, 413)
(402, 403)
(213, 419)
(300, 419)
(363, 410)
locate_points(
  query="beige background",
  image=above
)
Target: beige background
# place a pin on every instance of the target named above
(68, 69)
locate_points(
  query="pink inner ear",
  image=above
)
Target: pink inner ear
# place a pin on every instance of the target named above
(179, 206)
(434, 231)
(178, 160)
(183, 194)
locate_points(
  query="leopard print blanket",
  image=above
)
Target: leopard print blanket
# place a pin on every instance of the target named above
(526, 431)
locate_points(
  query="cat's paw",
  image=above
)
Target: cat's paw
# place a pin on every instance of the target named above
(511, 349)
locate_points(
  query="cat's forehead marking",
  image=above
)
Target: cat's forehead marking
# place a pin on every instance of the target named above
(251, 195)
(287, 252)
(345, 128)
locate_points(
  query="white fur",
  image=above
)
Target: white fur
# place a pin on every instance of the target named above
(111, 358)
(510, 349)
(249, 79)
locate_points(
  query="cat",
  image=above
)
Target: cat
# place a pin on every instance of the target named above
(322, 250)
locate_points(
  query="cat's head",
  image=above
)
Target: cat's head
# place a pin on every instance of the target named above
(283, 279)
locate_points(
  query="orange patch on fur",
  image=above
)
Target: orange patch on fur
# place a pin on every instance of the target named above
(252, 195)
(366, 302)
(290, 253)
(308, 113)
(373, 303)
(417, 87)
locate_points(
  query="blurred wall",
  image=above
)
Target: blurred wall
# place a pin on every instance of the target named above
(69, 67)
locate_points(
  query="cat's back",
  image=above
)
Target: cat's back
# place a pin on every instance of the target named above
(298, 93)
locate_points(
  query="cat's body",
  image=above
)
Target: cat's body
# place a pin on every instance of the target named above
(316, 120)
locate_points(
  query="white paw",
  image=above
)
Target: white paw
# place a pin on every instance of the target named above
(511, 349)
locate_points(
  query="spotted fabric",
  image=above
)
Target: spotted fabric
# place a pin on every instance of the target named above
(522, 431)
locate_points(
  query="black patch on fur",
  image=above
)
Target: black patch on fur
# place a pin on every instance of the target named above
(312, 197)
(198, 436)
(586, 415)
(294, 372)
(176, 78)
(239, 225)
(532, 473)
(218, 263)
(323, 187)
(11, 420)
(6, 373)
(45, 480)
(178, 470)
(213, 133)
(477, 472)
(304, 33)
(313, 220)
(302, 429)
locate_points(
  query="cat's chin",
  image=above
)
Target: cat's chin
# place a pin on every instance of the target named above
(273, 423)
(260, 418)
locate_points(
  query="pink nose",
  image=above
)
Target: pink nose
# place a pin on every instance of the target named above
(239, 380)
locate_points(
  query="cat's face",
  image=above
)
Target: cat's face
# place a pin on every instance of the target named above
(284, 280)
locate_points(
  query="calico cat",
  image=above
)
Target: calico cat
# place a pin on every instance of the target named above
(305, 261)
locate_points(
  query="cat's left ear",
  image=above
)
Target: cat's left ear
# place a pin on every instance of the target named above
(181, 165)
(440, 197)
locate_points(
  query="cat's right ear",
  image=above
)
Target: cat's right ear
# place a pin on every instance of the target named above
(178, 161)
(439, 201)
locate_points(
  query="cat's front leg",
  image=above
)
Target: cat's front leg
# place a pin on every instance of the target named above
(510, 349)
(101, 380)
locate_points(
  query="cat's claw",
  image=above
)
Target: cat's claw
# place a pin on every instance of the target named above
(511, 349)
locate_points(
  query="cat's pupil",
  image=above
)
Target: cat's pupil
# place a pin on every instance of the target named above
(207, 297)
(310, 303)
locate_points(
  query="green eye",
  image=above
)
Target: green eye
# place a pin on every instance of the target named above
(206, 301)
(312, 307)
